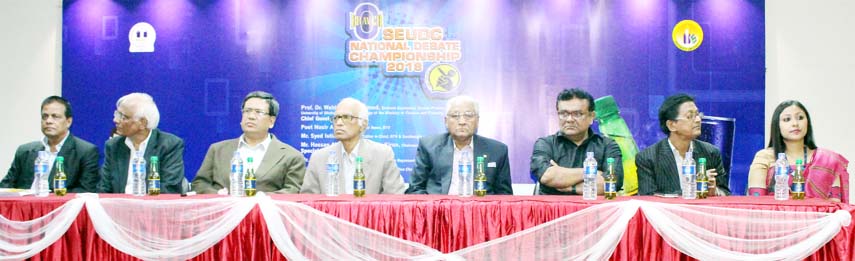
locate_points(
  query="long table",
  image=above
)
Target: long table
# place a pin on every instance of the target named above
(446, 223)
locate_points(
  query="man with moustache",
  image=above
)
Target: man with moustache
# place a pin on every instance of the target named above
(136, 119)
(557, 160)
(381, 172)
(81, 157)
(436, 155)
(279, 168)
(658, 165)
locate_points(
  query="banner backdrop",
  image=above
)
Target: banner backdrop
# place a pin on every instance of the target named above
(404, 59)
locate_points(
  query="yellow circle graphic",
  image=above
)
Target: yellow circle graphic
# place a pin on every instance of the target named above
(687, 35)
(443, 78)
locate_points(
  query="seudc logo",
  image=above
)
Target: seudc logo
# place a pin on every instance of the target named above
(404, 50)
(687, 35)
(365, 21)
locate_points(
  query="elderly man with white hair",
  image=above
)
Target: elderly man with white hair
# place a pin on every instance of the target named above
(436, 155)
(136, 118)
(381, 172)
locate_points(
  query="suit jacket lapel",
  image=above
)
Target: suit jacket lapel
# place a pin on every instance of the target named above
(151, 147)
(446, 159)
(122, 155)
(67, 152)
(30, 169)
(667, 158)
(275, 151)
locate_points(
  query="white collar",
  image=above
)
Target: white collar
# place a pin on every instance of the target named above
(677, 152)
(58, 146)
(471, 145)
(353, 152)
(264, 144)
(130, 143)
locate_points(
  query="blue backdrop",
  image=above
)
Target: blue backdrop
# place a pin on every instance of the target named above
(512, 56)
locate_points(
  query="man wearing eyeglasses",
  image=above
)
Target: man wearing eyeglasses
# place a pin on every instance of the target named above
(438, 155)
(557, 160)
(279, 168)
(136, 119)
(658, 165)
(81, 157)
(378, 161)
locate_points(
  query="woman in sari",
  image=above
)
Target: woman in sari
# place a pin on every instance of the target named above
(792, 133)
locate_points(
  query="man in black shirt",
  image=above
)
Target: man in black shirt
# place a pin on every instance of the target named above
(557, 160)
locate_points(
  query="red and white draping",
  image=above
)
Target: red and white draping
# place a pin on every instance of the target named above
(181, 229)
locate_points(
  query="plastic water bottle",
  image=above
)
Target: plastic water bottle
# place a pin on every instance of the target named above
(40, 169)
(688, 177)
(60, 178)
(589, 188)
(464, 172)
(359, 179)
(138, 173)
(154, 178)
(332, 174)
(236, 176)
(798, 192)
(249, 179)
(610, 180)
(480, 179)
(782, 178)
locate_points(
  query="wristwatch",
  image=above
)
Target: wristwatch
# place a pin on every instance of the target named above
(573, 190)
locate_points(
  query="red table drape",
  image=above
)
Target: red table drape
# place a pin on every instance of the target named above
(445, 223)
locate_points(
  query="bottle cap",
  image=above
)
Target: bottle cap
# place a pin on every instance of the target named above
(60, 159)
(359, 159)
(249, 159)
(610, 160)
(798, 161)
(479, 160)
(154, 159)
(702, 160)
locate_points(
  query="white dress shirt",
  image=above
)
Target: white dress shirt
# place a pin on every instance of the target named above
(256, 152)
(455, 174)
(51, 156)
(130, 144)
(348, 166)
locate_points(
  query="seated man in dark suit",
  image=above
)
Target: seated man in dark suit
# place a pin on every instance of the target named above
(437, 154)
(81, 157)
(658, 164)
(557, 160)
(279, 168)
(136, 118)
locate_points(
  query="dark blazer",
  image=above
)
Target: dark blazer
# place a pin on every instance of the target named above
(657, 170)
(169, 150)
(281, 170)
(81, 165)
(435, 156)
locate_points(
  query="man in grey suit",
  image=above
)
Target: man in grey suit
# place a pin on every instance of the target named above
(680, 119)
(381, 172)
(136, 119)
(279, 168)
(436, 155)
(81, 157)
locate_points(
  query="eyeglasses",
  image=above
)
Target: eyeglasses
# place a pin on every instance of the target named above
(566, 115)
(344, 118)
(692, 115)
(469, 115)
(257, 112)
(120, 116)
